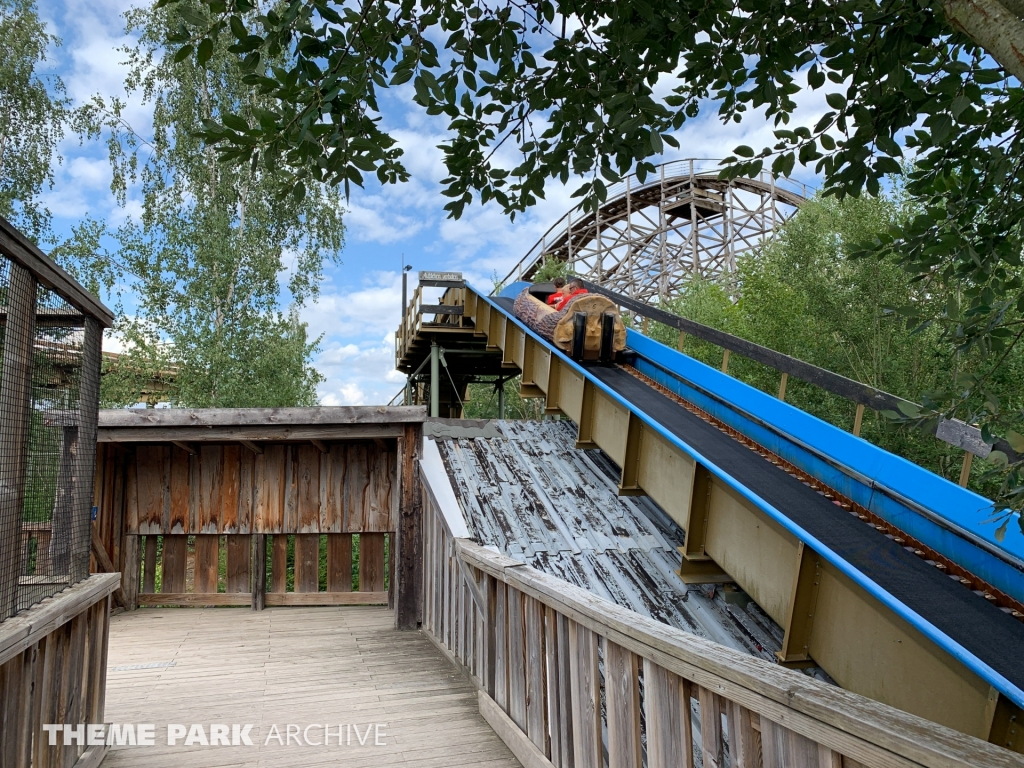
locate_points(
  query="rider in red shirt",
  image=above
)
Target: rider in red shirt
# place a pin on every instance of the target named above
(572, 290)
(556, 297)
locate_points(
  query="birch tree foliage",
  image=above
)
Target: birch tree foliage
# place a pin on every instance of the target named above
(217, 253)
(35, 113)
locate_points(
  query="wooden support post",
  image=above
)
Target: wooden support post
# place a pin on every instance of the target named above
(585, 435)
(63, 513)
(802, 603)
(85, 454)
(259, 571)
(682, 341)
(490, 639)
(669, 724)
(858, 419)
(744, 739)
(628, 483)
(586, 696)
(782, 386)
(644, 326)
(408, 538)
(622, 690)
(725, 361)
(129, 588)
(711, 728)
(965, 469)
(15, 421)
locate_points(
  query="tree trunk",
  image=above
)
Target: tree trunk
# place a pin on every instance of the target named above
(993, 27)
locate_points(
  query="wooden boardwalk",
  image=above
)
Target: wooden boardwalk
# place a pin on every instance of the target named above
(299, 666)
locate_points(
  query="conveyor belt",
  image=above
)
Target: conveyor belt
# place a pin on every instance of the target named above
(982, 629)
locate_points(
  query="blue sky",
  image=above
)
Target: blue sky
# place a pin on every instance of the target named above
(359, 305)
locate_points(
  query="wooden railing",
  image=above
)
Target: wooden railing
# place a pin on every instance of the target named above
(448, 312)
(53, 669)
(224, 524)
(570, 680)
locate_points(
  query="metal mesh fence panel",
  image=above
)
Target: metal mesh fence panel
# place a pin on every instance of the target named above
(47, 439)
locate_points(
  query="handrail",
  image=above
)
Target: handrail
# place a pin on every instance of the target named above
(952, 431)
(533, 649)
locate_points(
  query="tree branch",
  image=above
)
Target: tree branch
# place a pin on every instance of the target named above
(989, 24)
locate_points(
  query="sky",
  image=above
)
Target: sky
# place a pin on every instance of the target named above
(360, 300)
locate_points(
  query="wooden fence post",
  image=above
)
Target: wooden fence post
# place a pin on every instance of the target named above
(15, 421)
(408, 540)
(259, 571)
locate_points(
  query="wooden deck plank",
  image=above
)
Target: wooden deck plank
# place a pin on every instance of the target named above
(297, 665)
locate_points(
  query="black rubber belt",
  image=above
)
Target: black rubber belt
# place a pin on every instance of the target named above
(983, 629)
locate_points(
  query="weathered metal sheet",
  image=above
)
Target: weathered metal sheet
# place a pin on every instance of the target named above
(530, 493)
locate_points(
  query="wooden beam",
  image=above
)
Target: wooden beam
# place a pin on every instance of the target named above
(191, 451)
(248, 432)
(408, 539)
(272, 598)
(526, 752)
(254, 447)
(237, 417)
(105, 566)
(782, 385)
(965, 469)
(321, 446)
(24, 252)
(858, 419)
(802, 605)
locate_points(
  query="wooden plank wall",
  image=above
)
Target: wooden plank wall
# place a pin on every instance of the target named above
(196, 520)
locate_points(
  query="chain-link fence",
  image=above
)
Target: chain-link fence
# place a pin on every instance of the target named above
(50, 341)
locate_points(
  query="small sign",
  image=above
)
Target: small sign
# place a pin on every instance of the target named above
(447, 277)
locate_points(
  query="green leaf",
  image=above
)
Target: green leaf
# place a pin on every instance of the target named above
(1001, 530)
(1016, 441)
(836, 101)
(744, 151)
(182, 53)
(911, 410)
(205, 51)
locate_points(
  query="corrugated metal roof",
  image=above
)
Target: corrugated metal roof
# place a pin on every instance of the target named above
(538, 499)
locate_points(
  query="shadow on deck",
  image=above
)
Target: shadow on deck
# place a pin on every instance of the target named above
(299, 666)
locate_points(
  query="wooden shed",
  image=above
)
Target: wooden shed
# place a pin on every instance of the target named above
(283, 506)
